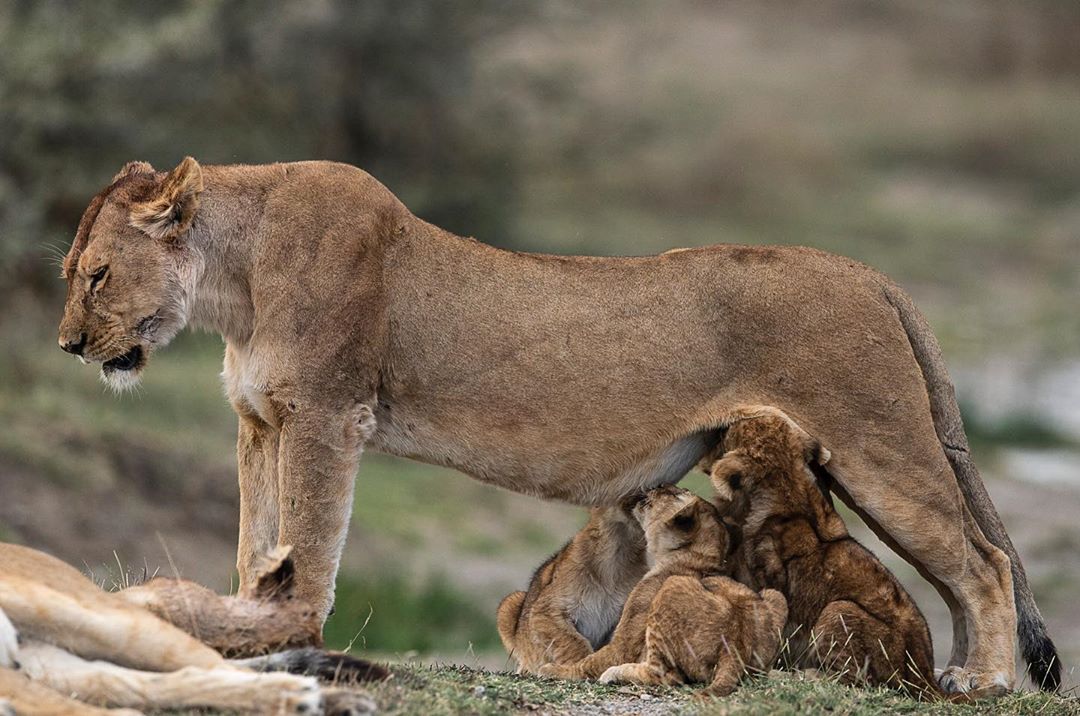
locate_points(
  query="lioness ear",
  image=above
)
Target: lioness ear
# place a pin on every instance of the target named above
(133, 168)
(171, 212)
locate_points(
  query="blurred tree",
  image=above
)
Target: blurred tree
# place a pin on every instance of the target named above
(387, 85)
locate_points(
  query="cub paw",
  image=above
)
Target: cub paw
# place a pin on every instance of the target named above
(556, 671)
(613, 675)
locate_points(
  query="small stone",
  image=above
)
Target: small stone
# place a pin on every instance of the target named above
(646, 697)
(478, 690)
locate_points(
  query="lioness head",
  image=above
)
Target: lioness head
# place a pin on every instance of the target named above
(674, 519)
(129, 272)
(757, 449)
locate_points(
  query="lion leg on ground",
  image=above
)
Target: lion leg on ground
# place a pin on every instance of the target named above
(19, 696)
(914, 498)
(223, 688)
(958, 655)
(126, 636)
(656, 668)
(317, 461)
(728, 674)
(848, 641)
(256, 457)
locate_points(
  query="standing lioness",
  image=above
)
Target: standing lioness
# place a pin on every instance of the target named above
(349, 322)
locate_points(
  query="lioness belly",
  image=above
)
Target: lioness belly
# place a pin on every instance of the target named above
(545, 474)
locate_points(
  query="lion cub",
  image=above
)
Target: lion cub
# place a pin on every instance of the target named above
(683, 621)
(848, 613)
(575, 597)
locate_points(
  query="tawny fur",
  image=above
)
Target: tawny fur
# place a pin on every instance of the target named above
(575, 598)
(711, 631)
(574, 378)
(684, 537)
(847, 613)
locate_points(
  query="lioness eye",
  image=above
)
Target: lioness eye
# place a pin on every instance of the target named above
(95, 278)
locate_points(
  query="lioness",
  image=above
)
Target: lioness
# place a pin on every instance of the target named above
(575, 597)
(683, 537)
(848, 613)
(60, 634)
(350, 323)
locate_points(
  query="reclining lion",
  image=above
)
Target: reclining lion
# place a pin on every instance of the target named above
(61, 634)
(351, 323)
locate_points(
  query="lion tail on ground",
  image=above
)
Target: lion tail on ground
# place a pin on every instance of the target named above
(332, 666)
(1035, 643)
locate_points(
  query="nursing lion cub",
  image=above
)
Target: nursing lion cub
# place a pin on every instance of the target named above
(848, 614)
(684, 621)
(575, 598)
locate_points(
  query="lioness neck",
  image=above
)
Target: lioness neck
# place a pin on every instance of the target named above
(221, 245)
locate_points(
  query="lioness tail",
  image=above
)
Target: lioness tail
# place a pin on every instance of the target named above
(1035, 644)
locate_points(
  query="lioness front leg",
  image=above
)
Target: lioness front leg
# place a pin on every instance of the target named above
(317, 461)
(256, 458)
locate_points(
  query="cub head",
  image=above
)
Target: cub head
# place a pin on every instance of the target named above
(675, 519)
(759, 449)
(130, 271)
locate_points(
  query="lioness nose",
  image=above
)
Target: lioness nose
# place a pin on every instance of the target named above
(74, 347)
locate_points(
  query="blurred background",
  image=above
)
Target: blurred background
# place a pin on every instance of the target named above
(938, 142)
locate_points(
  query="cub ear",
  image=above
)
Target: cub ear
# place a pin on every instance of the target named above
(133, 168)
(726, 475)
(171, 211)
(276, 571)
(686, 519)
(816, 453)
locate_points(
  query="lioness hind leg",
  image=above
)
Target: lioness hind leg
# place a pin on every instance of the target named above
(217, 688)
(913, 496)
(959, 651)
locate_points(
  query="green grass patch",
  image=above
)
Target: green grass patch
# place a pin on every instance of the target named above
(454, 690)
(391, 615)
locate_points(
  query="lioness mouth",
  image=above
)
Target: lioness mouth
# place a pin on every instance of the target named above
(128, 361)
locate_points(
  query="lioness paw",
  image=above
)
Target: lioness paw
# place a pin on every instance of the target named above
(958, 680)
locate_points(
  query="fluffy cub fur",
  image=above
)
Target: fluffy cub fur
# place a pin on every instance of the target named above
(575, 597)
(709, 631)
(686, 550)
(848, 613)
